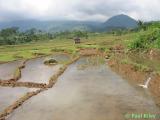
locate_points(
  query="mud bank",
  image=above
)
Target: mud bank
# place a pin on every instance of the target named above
(129, 72)
(22, 84)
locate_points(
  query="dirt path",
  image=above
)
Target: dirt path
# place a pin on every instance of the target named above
(87, 92)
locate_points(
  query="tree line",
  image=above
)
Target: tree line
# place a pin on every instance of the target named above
(13, 36)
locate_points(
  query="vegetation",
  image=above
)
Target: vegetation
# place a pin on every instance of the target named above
(50, 61)
(17, 74)
(12, 36)
(101, 41)
(150, 38)
(16, 44)
(137, 66)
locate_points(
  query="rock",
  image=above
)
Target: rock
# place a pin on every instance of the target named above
(107, 56)
(50, 61)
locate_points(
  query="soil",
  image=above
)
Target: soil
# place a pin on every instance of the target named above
(22, 84)
(117, 48)
(155, 88)
(154, 54)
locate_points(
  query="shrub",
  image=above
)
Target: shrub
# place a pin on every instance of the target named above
(103, 49)
(147, 40)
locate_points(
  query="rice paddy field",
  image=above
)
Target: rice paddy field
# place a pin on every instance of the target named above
(31, 50)
(97, 79)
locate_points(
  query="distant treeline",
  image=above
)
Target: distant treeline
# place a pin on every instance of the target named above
(147, 35)
(13, 36)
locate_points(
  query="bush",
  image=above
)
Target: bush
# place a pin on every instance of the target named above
(147, 40)
(50, 61)
(103, 49)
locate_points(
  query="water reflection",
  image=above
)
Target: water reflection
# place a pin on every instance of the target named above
(92, 61)
(95, 93)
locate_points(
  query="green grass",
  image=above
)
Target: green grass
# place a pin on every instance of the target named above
(25, 51)
(140, 67)
(125, 61)
(100, 41)
(147, 39)
(17, 74)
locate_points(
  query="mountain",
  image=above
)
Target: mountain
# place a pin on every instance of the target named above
(120, 21)
(52, 26)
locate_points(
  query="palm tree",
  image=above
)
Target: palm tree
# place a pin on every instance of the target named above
(141, 25)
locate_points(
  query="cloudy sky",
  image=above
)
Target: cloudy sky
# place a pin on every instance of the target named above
(91, 10)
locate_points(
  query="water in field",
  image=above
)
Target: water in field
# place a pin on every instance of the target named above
(9, 95)
(36, 71)
(88, 90)
(7, 69)
(61, 58)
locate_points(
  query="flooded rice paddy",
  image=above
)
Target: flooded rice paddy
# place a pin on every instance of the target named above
(8, 95)
(7, 70)
(61, 58)
(36, 71)
(88, 90)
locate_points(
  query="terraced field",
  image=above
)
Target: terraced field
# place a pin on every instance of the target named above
(88, 90)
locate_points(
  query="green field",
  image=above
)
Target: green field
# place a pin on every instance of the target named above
(30, 50)
(142, 40)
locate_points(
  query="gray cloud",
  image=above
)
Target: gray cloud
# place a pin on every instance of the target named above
(78, 9)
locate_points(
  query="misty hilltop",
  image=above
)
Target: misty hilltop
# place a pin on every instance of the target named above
(123, 21)
(119, 21)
